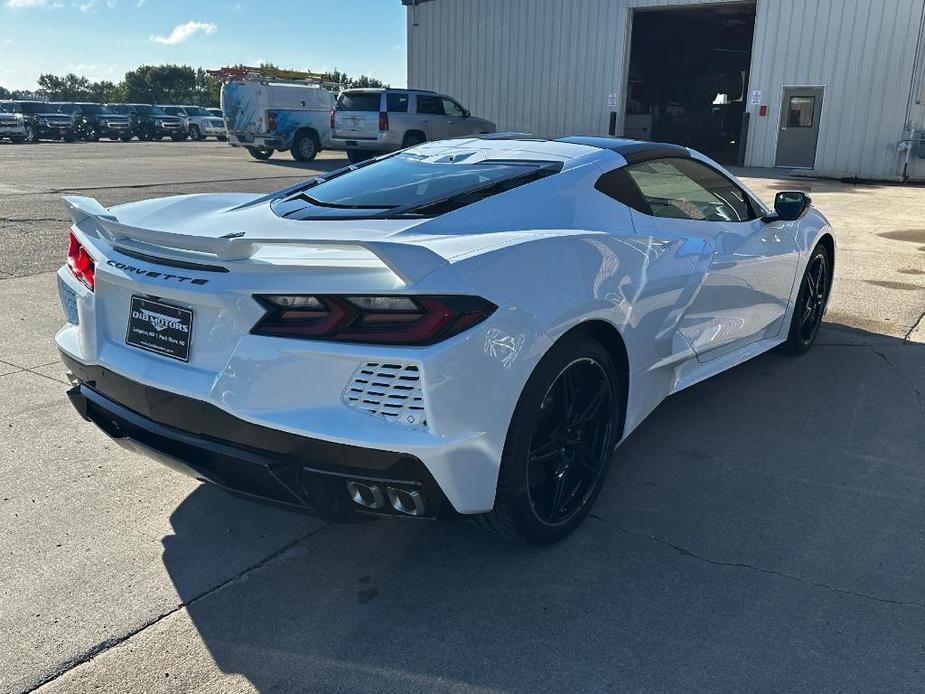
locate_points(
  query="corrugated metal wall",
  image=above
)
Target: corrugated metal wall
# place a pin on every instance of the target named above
(547, 67)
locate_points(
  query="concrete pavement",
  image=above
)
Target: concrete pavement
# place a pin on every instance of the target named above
(762, 531)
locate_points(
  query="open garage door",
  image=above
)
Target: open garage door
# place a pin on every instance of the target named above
(688, 76)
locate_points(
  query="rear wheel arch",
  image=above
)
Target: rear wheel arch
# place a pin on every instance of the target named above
(413, 137)
(610, 338)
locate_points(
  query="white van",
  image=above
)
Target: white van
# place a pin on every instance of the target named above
(265, 115)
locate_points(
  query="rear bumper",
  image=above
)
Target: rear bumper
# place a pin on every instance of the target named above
(251, 140)
(383, 142)
(204, 442)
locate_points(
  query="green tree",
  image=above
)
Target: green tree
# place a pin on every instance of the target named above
(69, 87)
(159, 84)
(5, 93)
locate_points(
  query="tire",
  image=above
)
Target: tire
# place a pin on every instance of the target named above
(30, 134)
(69, 138)
(412, 139)
(178, 138)
(125, 138)
(221, 138)
(305, 147)
(355, 156)
(261, 153)
(811, 303)
(93, 137)
(559, 444)
(194, 133)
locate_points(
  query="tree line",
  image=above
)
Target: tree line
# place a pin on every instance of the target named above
(153, 84)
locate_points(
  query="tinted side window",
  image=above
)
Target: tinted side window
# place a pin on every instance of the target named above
(359, 101)
(452, 108)
(429, 104)
(687, 189)
(396, 102)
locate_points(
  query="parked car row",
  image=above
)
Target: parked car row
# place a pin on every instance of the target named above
(31, 121)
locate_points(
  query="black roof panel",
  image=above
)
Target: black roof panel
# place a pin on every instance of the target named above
(633, 151)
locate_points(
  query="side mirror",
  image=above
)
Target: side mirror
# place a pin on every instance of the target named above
(466, 113)
(788, 206)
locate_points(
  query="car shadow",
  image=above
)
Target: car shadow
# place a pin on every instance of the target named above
(761, 530)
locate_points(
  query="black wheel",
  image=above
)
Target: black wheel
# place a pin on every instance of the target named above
(114, 138)
(194, 133)
(355, 156)
(30, 133)
(180, 137)
(559, 444)
(811, 302)
(412, 139)
(261, 153)
(70, 137)
(92, 136)
(305, 147)
(221, 138)
(125, 138)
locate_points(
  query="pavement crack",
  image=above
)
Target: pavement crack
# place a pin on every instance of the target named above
(908, 336)
(905, 379)
(92, 652)
(34, 219)
(751, 567)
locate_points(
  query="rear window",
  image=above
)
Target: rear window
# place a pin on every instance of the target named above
(359, 101)
(406, 184)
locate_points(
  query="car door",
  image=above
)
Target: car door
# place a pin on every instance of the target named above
(747, 266)
(456, 122)
(432, 117)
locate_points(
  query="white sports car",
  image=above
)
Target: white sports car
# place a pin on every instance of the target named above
(466, 327)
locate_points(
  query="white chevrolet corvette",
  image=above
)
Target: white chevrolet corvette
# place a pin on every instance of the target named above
(462, 328)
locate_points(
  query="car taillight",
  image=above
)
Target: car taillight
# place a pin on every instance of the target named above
(383, 120)
(387, 320)
(271, 120)
(332, 119)
(80, 262)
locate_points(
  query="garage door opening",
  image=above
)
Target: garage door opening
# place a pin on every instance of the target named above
(688, 77)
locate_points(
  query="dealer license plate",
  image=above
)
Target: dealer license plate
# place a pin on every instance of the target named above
(160, 328)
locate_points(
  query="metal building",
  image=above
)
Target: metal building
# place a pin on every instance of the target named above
(833, 87)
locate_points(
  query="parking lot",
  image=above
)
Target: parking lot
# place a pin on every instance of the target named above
(761, 531)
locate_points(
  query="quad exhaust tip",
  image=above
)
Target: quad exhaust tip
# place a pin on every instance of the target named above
(370, 495)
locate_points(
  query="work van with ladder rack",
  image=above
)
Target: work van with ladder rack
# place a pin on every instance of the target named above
(266, 111)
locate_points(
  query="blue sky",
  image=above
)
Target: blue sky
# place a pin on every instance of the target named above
(101, 39)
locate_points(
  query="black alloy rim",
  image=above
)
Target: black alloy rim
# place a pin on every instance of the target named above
(571, 442)
(815, 287)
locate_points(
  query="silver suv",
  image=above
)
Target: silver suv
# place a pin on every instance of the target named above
(367, 122)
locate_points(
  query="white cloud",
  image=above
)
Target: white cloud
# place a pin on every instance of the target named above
(184, 32)
(26, 3)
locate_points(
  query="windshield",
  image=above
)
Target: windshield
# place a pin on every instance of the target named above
(8, 108)
(196, 111)
(95, 108)
(404, 180)
(64, 108)
(145, 110)
(36, 107)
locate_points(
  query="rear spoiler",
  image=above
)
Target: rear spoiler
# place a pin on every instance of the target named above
(410, 262)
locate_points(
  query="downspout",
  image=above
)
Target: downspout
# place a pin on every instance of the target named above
(911, 137)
